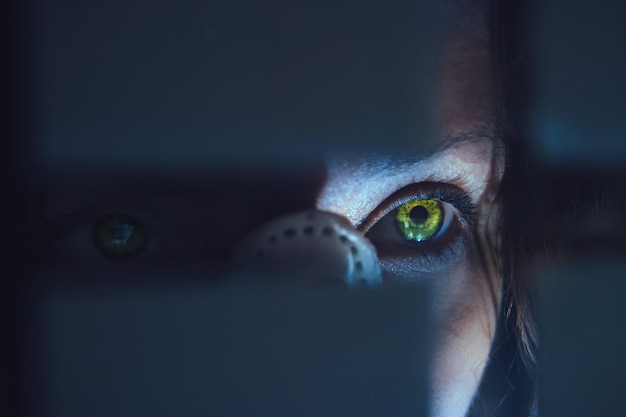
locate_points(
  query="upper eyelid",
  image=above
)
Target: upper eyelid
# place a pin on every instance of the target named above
(356, 188)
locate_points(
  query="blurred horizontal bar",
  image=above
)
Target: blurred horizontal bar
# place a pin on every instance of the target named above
(583, 317)
(185, 351)
(578, 109)
(144, 84)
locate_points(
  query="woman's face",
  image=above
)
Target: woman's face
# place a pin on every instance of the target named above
(460, 263)
(447, 196)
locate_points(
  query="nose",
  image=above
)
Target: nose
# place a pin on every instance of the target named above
(310, 247)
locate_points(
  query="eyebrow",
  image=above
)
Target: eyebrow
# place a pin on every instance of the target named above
(395, 162)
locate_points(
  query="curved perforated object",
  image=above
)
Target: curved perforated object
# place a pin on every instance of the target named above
(311, 247)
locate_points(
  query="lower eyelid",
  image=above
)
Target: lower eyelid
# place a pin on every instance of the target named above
(408, 266)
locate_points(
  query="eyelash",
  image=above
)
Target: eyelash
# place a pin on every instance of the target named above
(429, 255)
(76, 230)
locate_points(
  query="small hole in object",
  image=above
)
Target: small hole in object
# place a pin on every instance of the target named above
(308, 230)
(354, 250)
(271, 239)
(290, 232)
(358, 266)
(343, 239)
(327, 231)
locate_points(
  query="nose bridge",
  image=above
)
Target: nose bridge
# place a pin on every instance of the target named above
(311, 246)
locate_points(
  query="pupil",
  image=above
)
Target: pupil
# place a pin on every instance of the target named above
(418, 215)
(121, 233)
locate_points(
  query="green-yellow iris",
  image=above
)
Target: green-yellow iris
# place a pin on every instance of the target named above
(119, 236)
(420, 220)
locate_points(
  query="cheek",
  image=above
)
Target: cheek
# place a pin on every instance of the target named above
(465, 306)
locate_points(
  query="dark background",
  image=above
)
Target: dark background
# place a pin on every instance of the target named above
(80, 102)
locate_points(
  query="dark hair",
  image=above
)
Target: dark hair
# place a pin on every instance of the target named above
(521, 241)
(508, 386)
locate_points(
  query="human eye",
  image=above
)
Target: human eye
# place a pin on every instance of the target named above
(421, 228)
(119, 236)
(112, 235)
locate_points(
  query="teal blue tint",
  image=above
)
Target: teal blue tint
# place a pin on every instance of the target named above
(119, 236)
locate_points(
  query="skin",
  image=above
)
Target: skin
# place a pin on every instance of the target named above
(466, 154)
(467, 293)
